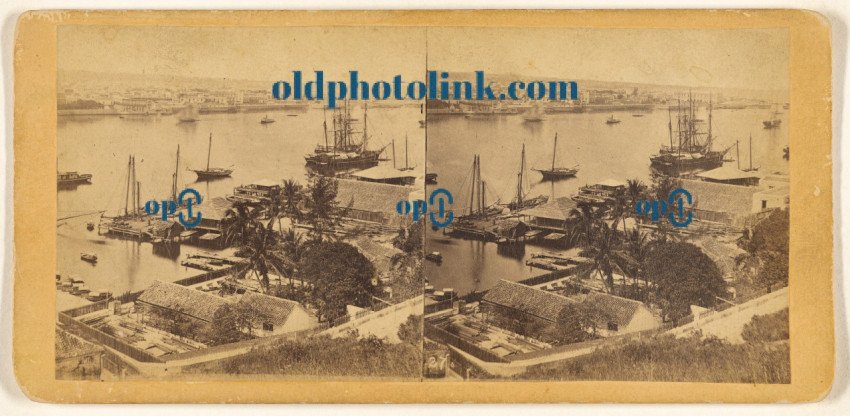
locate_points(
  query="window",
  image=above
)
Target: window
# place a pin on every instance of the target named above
(268, 327)
(613, 326)
(763, 204)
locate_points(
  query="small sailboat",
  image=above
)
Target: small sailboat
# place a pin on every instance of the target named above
(521, 200)
(612, 120)
(211, 173)
(773, 120)
(266, 120)
(556, 173)
(188, 114)
(534, 115)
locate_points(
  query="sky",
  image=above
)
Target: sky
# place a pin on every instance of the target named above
(725, 58)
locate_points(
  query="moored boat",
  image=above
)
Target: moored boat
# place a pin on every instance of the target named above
(67, 178)
(211, 173)
(556, 172)
(89, 257)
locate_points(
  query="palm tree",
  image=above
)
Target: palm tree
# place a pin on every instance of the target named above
(583, 222)
(322, 207)
(292, 244)
(606, 257)
(620, 209)
(264, 255)
(636, 191)
(638, 249)
(290, 197)
(239, 223)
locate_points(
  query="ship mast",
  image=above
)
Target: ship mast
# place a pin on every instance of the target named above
(174, 181)
(554, 149)
(519, 179)
(209, 151)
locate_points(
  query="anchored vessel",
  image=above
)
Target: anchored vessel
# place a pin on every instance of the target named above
(521, 200)
(612, 120)
(188, 114)
(692, 149)
(773, 120)
(557, 172)
(68, 178)
(266, 120)
(211, 173)
(343, 152)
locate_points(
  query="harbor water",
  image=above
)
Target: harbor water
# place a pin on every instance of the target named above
(101, 145)
(601, 151)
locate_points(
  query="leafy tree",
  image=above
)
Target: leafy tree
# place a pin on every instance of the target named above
(340, 276)
(636, 191)
(264, 255)
(769, 244)
(410, 331)
(290, 197)
(683, 276)
(239, 223)
(409, 239)
(577, 322)
(228, 325)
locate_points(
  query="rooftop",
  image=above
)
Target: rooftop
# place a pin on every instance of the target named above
(191, 302)
(721, 197)
(540, 303)
(618, 310)
(274, 309)
(557, 209)
(382, 172)
(370, 196)
(727, 173)
(69, 345)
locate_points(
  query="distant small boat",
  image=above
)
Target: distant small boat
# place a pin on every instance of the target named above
(66, 178)
(431, 178)
(266, 120)
(773, 120)
(188, 114)
(89, 257)
(90, 226)
(534, 115)
(434, 256)
(612, 120)
(292, 115)
(637, 115)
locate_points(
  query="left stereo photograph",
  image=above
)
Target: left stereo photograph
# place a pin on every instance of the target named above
(206, 230)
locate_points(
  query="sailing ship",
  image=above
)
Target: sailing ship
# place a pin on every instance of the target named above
(343, 152)
(534, 115)
(773, 120)
(71, 178)
(478, 207)
(693, 148)
(266, 120)
(521, 200)
(612, 120)
(556, 173)
(211, 173)
(188, 114)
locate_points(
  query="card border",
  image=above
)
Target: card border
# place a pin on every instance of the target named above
(811, 261)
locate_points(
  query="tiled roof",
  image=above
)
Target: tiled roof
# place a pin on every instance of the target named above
(725, 173)
(370, 196)
(69, 345)
(383, 172)
(557, 209)
(719, 197)
(618, 310)
(192, 302)
(274, 310)
(540, 303)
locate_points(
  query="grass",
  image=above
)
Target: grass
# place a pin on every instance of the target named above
(764, 358)
(323, 357)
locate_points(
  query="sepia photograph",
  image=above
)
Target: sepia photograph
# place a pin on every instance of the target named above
(206, 230)
(638, 232)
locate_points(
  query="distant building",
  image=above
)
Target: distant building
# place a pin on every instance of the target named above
(551, 215)
(163, 299)
(277, 315)
(210, 232)
(256, 192)
(76, 358)
(372, 202)
(771, 199)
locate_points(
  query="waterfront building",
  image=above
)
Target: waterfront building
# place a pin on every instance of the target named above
(371, 202)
